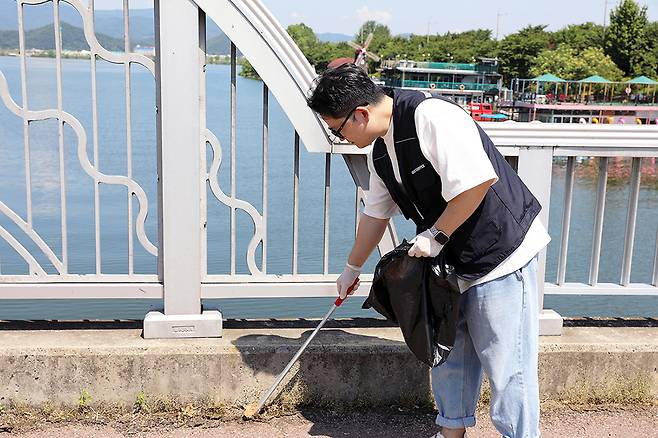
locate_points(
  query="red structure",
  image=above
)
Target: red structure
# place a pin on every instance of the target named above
(477, 110)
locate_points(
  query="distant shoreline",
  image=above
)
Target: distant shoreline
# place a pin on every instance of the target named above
(84, 54)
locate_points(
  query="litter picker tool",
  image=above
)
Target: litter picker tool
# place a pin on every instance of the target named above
(254, 408)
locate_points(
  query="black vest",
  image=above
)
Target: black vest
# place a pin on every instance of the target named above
(492, 232)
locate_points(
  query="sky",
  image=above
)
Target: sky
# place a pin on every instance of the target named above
(346, 16)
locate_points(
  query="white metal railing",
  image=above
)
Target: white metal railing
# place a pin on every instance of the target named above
(185, 177)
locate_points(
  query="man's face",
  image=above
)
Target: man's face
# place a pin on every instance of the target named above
(354, 127)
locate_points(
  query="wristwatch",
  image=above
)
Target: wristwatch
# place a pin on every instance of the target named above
(439, 235)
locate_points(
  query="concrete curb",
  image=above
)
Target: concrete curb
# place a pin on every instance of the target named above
(349, 366)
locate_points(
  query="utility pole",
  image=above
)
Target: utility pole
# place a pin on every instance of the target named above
(498, 15)
(605, 17)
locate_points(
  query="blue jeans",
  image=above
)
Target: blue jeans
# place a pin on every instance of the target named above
(498, 333)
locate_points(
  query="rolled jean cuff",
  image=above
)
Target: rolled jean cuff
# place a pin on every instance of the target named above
(455, 423)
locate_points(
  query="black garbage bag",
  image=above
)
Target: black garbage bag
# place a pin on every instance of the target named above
(420, 295)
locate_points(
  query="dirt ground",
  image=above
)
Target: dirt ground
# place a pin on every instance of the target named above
(561, 421)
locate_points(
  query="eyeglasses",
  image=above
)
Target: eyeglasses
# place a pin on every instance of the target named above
(337, 132)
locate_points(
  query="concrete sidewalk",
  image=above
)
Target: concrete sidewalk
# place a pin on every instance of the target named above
(629, 422)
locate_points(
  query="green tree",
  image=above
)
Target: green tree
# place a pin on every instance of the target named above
(579, 36)
(470, 45)
(517, 51)
(399, 47)
(570, 64)
(305, 39)
(380, 35)
(626, 38)
(326, 52)
(248, 70)
(455, 47)
(652, 36)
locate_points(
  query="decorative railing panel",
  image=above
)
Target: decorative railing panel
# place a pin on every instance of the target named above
(239, 171)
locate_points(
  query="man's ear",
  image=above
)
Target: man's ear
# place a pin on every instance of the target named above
(364, 113)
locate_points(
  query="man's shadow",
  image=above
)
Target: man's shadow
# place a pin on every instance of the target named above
(339, 377)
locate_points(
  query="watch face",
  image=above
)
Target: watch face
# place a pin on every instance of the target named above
(441, 237)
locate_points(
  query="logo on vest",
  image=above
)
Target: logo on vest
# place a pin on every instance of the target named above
(418, 169)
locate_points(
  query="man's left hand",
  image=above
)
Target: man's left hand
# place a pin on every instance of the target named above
(424, 245)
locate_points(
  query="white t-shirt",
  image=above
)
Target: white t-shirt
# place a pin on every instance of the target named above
(450, 141)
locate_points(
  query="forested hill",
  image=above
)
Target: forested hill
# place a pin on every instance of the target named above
(73, 38)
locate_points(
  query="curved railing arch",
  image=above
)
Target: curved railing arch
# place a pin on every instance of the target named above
(276, 58)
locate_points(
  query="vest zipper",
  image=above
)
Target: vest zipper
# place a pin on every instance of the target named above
(404, 193)
(417, 211)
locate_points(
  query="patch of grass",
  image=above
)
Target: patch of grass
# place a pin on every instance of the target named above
(84, 399)
(140, 404)
(294, 395)
(623, 391)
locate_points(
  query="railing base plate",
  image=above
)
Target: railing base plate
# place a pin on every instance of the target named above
(208, 324)
(550, 323)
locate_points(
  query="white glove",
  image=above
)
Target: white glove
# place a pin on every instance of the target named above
(349, 276)
(424, 245)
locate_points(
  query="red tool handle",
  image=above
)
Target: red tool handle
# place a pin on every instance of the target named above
(340, 300)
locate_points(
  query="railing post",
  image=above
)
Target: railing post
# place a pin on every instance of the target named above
(178, 89)
(535, 169)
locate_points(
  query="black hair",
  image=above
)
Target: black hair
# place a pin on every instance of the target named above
(339, 90)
